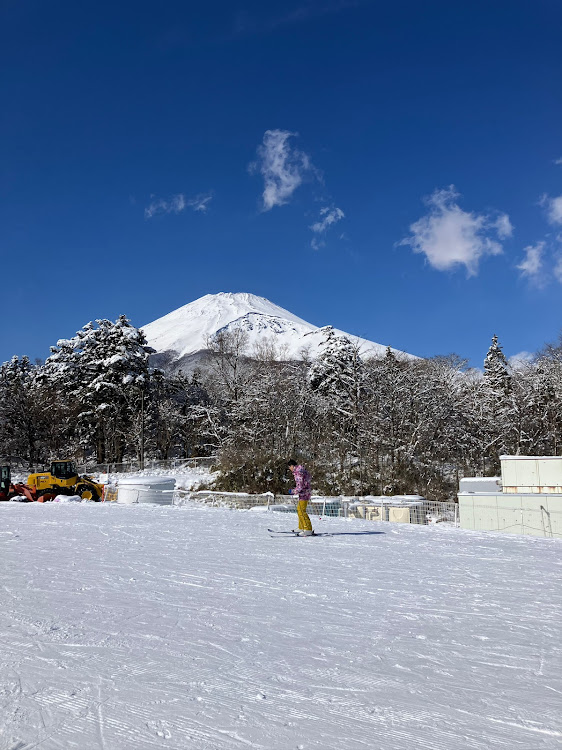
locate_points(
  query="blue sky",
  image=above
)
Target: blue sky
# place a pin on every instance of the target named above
(387, 168)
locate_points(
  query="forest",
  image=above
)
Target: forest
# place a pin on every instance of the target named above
(377, 425)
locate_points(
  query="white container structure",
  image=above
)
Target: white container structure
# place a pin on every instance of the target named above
(529, 503)
(534, 474)
(151, 490)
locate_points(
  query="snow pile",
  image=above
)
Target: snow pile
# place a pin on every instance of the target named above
(153, 627)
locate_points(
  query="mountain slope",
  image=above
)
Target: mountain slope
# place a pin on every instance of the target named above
(181, 337)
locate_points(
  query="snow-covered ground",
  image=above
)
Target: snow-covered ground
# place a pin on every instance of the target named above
(139, 627)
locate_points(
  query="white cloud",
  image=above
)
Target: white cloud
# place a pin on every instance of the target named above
(553, 208)
(558, 161)
(518, 361)
(503, 226)
(543, 260)
(328, 216)
(283, 167)
(317, 244)
(450, 237)
(533, 260)
(177, 204)
(200, 202)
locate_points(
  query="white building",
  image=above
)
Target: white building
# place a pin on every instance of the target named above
(529, 500)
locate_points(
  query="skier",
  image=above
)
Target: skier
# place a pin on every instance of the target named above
(302, 490)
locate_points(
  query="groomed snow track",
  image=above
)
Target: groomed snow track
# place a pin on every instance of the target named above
(137, 627)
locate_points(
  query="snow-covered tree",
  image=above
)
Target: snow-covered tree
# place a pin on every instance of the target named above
(337, 378)
(174, 416)
(103, 373)
(228, 358)
(541, 386)
(18, 428)
(337, 373)
(497, 379)
(499, 405)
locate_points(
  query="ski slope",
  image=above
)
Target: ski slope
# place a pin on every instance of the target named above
(139, 627)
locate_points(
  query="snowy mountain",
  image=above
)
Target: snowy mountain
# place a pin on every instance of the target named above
(181, 337)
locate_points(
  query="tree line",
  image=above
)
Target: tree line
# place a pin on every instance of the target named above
(364, 425)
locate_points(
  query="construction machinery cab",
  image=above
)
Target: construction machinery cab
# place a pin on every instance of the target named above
(64, 470)
(5, 480)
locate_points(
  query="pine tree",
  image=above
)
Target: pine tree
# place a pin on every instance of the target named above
(103, 372)
(497, 380)
(338, 373)
(500, 407)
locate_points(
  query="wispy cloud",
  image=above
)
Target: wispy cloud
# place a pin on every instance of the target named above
(450, 237)
(543, 260)
(283, 167)
(177, 204)
(553, 208)
(558, 161)
(542, 263)
(503, 226)
(246, 24)
(200, 202)
(533, 262)
(328, 217)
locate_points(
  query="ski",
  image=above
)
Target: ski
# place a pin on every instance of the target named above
(276, 531)
(273, 533)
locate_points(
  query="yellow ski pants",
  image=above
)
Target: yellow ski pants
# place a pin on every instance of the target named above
(304, 520)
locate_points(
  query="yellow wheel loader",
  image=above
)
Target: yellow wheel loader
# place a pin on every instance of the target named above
(63, 479)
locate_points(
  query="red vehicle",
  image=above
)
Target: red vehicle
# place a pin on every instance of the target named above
(9, 490)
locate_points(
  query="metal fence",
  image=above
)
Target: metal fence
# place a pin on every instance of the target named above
(368, 509)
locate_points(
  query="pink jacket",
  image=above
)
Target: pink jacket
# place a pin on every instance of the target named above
(302, 479)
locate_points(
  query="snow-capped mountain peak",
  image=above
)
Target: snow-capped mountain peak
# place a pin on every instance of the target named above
(181, 337)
